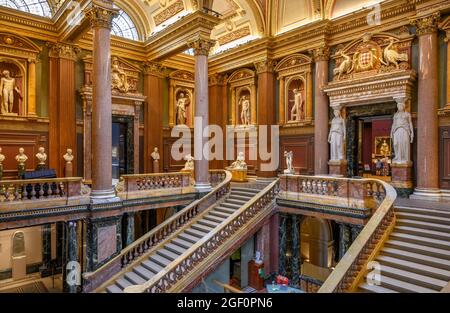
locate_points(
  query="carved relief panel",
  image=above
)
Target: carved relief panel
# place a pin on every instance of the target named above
(182, 98)
(242, 84)
(295, 76)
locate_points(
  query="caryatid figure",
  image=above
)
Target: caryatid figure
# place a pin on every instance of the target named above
(402, 134)
(337, 137)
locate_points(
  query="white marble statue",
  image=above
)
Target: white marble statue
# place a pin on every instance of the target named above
(245, 110)
(155, 154)
(239, 164)
(289, 166)
(182, 103)
(7, 88)
(189, 166)
(156, 157)
(41, 156)
(297, 109)
(68, 157)
(258, 258)
(337, 137)
(21, 158)
(402, 134)
(2, 157)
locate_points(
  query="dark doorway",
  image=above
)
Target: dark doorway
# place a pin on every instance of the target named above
(122, 146)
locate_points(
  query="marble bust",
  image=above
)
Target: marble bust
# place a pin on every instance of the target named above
(21, 158)
(156, 157)
(2, 158)
(337, 137)
(402, 134)
(239, 164)
(42, 158)
(68, 157)
(189, 166)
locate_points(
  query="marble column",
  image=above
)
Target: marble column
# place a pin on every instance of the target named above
(344, 239)
(321, 115)
(101, 15)
(296, 257)
(427, 114)
(446, 109)
(201, 48)
(129, 231)
(31, 112)
(218, 110)
(71, 268)
(46, 250)
(283, 245)
(282, 104)
(355, 231)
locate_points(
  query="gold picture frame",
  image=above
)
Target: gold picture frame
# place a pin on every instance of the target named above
(383, 146)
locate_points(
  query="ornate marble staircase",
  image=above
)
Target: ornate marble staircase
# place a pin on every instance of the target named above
(416, 256)
(194, 248)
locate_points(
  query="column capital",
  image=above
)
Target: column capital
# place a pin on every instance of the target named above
(63, 51)
(217, 79)
(427, 24)
(321, 53)
(201, 46)
(101, 13)
(266, 65)
(154, 69)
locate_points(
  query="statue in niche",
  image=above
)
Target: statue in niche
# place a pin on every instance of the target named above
(402, 134)
(156, 157)
(337, 137)
(289, 166)
(2, 159)
(298, 110)
(190, 165)
(244, 102)
(182, 103)
(7, 88)
(68, 157)
(21, 159)
(239, 164)
(119, 79)
(42, 158)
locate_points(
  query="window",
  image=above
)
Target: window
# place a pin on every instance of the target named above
(124, 27)
(38, 7)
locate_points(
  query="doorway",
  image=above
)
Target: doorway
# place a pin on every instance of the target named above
(122, 147)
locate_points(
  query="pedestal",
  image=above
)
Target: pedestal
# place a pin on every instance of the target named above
(1, 171)
(155, 166)
(238, 175)
(402, 178)
(41, 167)
(69, 169)
(338, 168)
(20, 170)
(254, 279)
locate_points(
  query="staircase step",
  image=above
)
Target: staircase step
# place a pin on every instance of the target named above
(417, 258)
(423, 218)
(152, 266)
(414, 267)
(225, 210)
(375, 289)
(249, 190)
(237, 202)
(134, 278)
(167, 254)
(413, 278)
(189, 238)
(424, 211)
(175, 248)
(219, 214)
(231, 206)
(401, 286)
(421, 249)
(431, 242)
(424, 225)
(113, 289)
(208, 223)
(143, 272)
(239, 197)
(243, 193)
(160, 260)
(202, 228)
(213, 218)
(423, 232)
(182, 243)
(123, 283)
(196, 233)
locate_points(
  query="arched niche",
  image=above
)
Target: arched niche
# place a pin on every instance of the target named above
(181, 82)
(243, 83)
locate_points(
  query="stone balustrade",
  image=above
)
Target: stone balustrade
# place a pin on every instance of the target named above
(309, 284)
(42, 193)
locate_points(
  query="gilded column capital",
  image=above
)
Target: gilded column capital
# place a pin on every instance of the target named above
(321, 53)
(101, 13)
(64, 51)
(201, 46)
(427, 24)
(266, 65)
(217, 79)
(154, 69)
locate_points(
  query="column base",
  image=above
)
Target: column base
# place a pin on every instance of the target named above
(338, 168)
(445, 195)
(104, 196)
(203, 187)
(426, 194)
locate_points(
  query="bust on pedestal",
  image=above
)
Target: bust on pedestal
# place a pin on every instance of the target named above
(68, 157)
(2, 158)
(336, 139)
(239, 169)
(155, 157)
(21, 159)
(42, 158)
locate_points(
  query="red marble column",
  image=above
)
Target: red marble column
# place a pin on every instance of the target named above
(427, 114)
(321, 115)
(218, 111)
(101, 16)
(201, 48)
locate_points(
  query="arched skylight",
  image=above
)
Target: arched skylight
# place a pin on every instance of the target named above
(124, 27)
(38, 7)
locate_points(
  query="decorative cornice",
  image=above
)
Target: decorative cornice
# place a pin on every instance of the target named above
(426, 25)
(64, 51)
(217, 79)
(154, 69)
(201, 46)
(265, 66)
(101, 14)
(321, 53)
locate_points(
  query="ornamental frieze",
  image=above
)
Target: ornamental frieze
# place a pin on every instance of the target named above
(171, 11)
(235, 35)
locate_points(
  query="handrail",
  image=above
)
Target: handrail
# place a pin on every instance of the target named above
(162, 231)
(309, 284)
(227, 287)
(166, 279)
(350, 271)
